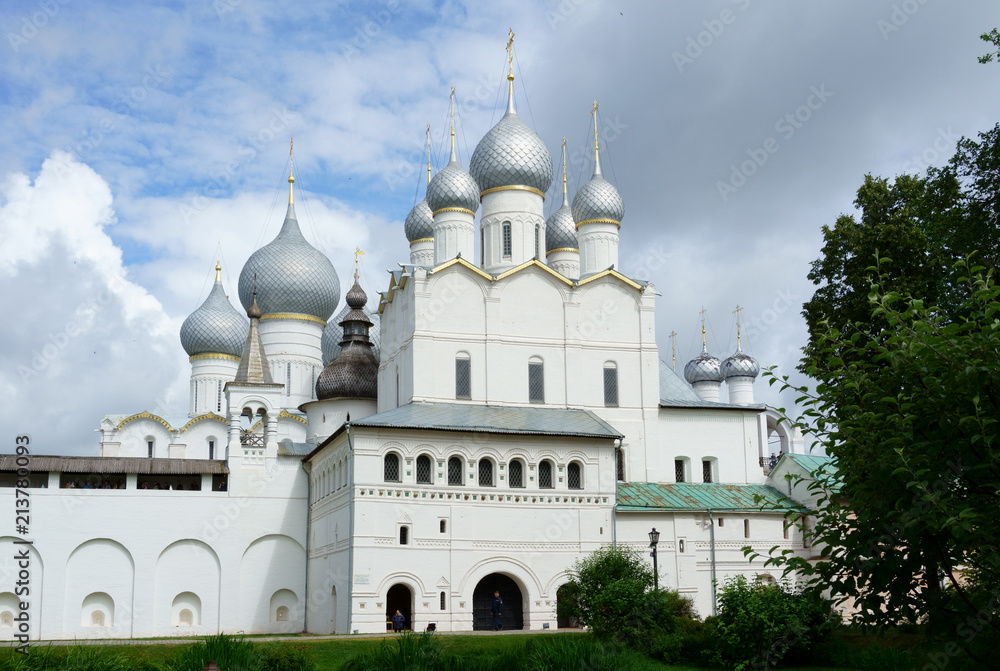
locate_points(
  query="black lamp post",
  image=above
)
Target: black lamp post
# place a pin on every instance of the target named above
(654, 538)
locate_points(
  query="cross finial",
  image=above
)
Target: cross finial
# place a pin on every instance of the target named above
(291, 166)
(453, 122)
(564, 169)
(597, 156)
(510, 55)
(218, 271)
(737, 312)
(357, 253)
(702, 313)
(428, 153)
(673, 347)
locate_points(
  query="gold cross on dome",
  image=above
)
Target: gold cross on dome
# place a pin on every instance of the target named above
(357, 253)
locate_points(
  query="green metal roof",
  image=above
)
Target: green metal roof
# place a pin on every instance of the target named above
(811, 463)
(493, 419)
(690, 496)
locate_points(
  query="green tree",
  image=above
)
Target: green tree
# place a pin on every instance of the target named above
(909, 410)
(923, 224)
(993, 37)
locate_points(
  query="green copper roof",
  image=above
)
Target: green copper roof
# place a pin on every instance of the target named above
(811, 463)
(681, 496)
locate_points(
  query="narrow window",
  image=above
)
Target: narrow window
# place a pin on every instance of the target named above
(746, 528)
(392, 467)
(620, 458)
(288, 378)
(515, 474)
(679, 470)
(485, 473)
(610, 385)
(404, 535)
(680, 546)
(722, 522)
(444, 526)
(784, 526)
(482, 247)
(149, 448)
(573, 479)
(423, 470)
(537, 229)
(196, 385)
(506, 239)
(218, 397)
(211, 449)
(454, 471)
(706, 470)
(442, 601)
(545, 475)
(536, 382)
(463, 376)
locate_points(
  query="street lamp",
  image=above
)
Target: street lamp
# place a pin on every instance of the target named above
(654, 538)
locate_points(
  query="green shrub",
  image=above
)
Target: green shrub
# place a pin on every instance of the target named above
(234, 653)
(70, 658)
(760, 624)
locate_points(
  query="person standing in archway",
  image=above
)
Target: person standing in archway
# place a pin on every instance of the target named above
(497, 610)
(397, 622)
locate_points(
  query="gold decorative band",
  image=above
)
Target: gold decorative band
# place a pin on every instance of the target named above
(599, 221)
(290, 315)
(413, 242)
(514, 187)
(562, 249)
(213, 355)
(453, 209)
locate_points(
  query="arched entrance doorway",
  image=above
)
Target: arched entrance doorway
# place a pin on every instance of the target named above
(399, 598)
(566, 601)
(482, 602)
(333, 611)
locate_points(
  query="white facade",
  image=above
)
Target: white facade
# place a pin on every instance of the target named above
(522, 415)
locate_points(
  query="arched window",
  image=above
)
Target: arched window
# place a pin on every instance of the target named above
(211, 449)
(574, 478)
(706, 470)
(392, 467)
(485, 473)
(537, 245)
(404, 535)
(281, 615)
(442, 601)
(545, 474)
(506, 240)
(680, 546)
(536, 380)
(455, 471)
(443, 526)
(680, 470)
(515, 473)
(463, 376)
(149, 447)
(746, 528)
(97, 619)
(611, 384)
(620, 464)
(423, 470)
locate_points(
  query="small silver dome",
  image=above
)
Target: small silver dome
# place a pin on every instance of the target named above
(216, 327)
(334, 333)
(703, 368)
(598, 199)
(560, 231)
(419, 222)
(293, 277)
(740, 364)
(453, 187)
(511, 154)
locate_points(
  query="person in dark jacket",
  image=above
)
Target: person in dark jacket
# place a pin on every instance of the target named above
(398, 620)
(497, 610)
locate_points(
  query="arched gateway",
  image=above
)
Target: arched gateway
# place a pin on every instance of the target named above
(482, 601)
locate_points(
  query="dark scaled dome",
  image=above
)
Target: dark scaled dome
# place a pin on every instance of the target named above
(511, 154)
(334, 333)
(419, 222)
(216, 327)
(354, 373)
(703, 368)
(293, 277)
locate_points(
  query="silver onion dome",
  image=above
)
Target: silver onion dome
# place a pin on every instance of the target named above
(453, 187)
(292, 276)
(334, 333)
(703, 368)
(560, 231)
(511, 154)
(216, 327)
(419, 222)
(598, 200)
(740, 364)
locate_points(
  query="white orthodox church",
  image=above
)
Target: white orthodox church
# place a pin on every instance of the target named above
(488, 425)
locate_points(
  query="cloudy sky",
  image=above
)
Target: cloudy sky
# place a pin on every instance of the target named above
(141, 141)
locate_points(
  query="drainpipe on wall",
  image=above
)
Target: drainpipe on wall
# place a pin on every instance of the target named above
(711, 524)
(614, 508)
(350, 527)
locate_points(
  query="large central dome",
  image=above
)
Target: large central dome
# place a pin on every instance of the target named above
(293, 277)
(511, 154)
